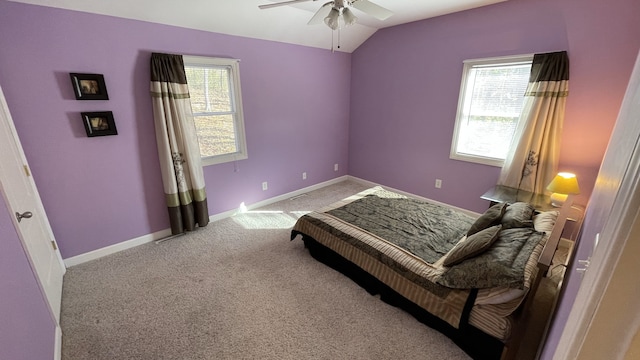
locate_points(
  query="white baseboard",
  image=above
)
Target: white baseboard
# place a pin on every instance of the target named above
(159, 235)
(287, 195)
(57, 355)
(112, 249)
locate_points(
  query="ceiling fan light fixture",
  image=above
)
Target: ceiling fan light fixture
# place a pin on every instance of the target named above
(332, 19)
(348, 17)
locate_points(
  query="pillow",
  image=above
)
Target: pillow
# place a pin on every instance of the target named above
(518, 215)
(545, 221)
(472, 246)
(491, 217)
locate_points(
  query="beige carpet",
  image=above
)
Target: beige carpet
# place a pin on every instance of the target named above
(237, 289)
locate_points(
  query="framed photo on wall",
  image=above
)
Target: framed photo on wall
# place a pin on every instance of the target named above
(89, 86)
(99, 123)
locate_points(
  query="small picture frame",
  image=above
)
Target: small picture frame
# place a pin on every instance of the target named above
(99, 123)
(89, 86)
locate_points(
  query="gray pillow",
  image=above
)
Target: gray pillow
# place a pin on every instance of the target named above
(472, 246)
(518, 215)
(491, 217)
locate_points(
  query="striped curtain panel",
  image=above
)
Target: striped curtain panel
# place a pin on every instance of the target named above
(178, 149)
(535, 150)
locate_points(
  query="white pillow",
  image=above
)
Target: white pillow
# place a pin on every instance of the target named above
(544, 221)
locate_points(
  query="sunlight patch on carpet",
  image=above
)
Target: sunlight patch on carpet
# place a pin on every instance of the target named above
(265, 220)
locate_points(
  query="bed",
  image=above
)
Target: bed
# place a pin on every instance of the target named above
(471, 277)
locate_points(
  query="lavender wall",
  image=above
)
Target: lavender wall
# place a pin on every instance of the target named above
(406, 80)
(405, 83)
(27, 331)
(102, 191)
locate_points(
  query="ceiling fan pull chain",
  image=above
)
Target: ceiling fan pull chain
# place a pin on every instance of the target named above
(332, 48)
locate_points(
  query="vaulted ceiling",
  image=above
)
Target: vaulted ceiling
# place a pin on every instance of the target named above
(286, 24)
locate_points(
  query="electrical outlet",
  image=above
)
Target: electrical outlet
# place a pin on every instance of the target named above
(265, 186)
(335, 167)
(304, 175)
(438, 183)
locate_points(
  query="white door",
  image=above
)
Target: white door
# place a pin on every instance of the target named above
(22, 198)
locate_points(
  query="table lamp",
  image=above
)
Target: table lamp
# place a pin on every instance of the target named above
(563, 185)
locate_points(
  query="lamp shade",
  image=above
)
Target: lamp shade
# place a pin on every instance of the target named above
(564, 183)
(332, 19)
(348, 17)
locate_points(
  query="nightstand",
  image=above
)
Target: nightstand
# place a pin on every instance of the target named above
(500, 193)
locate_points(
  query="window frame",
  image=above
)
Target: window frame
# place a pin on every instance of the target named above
(236, 100)
(467, 66)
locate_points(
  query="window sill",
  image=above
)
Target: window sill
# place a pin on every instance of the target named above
(477, 160)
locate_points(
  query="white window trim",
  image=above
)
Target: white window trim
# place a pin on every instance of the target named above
(468, 64)
(236, 98)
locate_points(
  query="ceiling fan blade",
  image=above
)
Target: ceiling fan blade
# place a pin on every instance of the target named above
(318, 17)
(372, 9)
(290, 2)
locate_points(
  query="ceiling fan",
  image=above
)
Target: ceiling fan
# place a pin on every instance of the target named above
(330, 12)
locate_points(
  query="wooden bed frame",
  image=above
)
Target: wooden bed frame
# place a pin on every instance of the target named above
(544, 263)
(473, 341)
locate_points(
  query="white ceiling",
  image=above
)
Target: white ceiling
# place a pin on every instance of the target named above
(284, 24)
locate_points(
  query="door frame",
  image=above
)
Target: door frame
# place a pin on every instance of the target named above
(6, 122)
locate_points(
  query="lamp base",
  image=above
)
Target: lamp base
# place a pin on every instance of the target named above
(558, 200)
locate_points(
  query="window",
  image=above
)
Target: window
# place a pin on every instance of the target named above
(491, 99)
(216, 103)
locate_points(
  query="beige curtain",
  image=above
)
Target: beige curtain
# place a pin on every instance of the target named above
(178, 149)
(533, 160)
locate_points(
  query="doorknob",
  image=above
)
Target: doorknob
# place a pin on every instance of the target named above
(25, 215)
